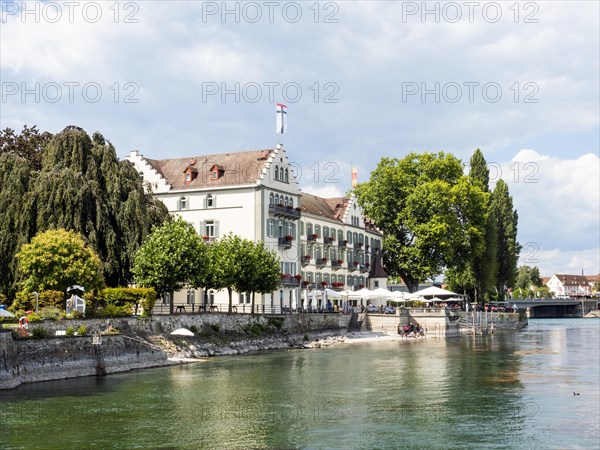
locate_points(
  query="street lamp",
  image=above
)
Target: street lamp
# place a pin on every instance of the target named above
(37, 298)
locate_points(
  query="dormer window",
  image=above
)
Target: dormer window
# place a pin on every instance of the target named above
(216, 172)
(190, 173)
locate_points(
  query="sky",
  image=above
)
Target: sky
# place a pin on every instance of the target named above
(361, 80)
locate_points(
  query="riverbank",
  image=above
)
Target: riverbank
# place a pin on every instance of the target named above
(120, 345)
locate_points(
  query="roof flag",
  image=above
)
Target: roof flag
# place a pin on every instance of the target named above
(281, 113)
(354, 177)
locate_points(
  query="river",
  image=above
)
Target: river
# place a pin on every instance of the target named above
(509, 390)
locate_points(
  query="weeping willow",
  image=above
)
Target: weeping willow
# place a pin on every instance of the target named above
(81, 186)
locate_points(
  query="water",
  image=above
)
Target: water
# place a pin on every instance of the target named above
(501, 391)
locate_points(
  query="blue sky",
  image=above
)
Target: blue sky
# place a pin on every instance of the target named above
(517, 79)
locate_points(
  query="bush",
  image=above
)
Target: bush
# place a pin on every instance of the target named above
(33, 317)
(215, 327)
(194, 329)
(54, 299)
(119, 302)
(82, 330)
(52, 312)
(276, 322)
(70, 331)
(305, 337)
(39, 332)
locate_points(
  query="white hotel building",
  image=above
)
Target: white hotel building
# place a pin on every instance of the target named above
(254, 194)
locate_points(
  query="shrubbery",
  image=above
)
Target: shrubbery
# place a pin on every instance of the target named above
(121, 302)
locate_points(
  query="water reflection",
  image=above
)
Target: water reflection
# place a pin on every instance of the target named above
(505, 390)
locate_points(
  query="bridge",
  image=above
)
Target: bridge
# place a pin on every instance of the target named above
(554, 308)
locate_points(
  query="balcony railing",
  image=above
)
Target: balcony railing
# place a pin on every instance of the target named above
(321, 262)
(285, 211)
(342, 243)
(306, 260)
(285, 242)
(312, 237)
(337, 264)
(364, 268)
(358, 245)
(328, 241)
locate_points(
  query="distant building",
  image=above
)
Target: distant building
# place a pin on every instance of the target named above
(254, 194)
(562, 285)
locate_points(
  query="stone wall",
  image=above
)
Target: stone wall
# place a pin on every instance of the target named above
(32, 360)
(58, 357)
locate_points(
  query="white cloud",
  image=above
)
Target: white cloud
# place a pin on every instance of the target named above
(325, 191)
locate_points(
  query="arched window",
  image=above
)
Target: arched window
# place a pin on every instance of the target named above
(340, 235)
(291, 202)
(277, 172)
(349, 237)
(281, 173)
(277, 199)
(325, 232)
(318, 230)
(309, 228)
(355, 237)
(183, 203)
(287, 176)
(271, 198)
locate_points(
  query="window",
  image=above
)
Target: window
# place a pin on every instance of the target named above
(281, 173)
(349, 237)
(291, 202)
(271, 199)
(215, 174)
(325, 232)
(209, 228)
(270, 228)
(210, 201)
(191, 297)
(166, 298)
(301, 228)
(287, 176)
(280, 229)
(277, 199)
(188, 177)
(183, 203)
(277, 172)
(309, 228)
(318, 230)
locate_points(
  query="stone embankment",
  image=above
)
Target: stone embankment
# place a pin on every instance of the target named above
(148, 342)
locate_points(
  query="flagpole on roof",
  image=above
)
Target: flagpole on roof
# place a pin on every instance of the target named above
(281, 120)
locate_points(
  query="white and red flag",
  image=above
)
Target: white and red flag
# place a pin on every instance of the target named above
(281, 112)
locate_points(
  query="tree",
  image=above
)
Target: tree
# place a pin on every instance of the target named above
(171, 258)
(429, 212)
(479, 274)
(505, 219)
(75, 182)
(528, 278)
(226, 254)
(259, 270)
(29, 144)
(57, 259)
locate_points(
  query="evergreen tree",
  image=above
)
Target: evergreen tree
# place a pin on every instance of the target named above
(505, 219)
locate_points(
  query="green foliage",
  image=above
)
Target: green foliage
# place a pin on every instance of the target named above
(57, 259)
(430, 213)
(23, 302)
(505, 220)
(276, 322)
(215, 327)
(129, 299)
(194, 329)
(305, 338)
(528, 278)
(2, 299)
(82, 330)
(39, 332)
(478, 276)
(52, 298)
(52, 312)
(33, 317)
(172, 258)
(70, 331)
(74, 182)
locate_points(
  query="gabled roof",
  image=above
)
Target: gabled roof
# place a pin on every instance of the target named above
(571, 280)
(239, 169)
(318, 206)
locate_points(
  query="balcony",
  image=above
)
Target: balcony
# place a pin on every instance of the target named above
(354, 266)
(312, 237)
(329, 241)
(342, 244)
(285, 242)
(288, 212)
(358, 245)
(335, 265)
(321, 262)
(306, 260)
(364, 267)
(289, 280)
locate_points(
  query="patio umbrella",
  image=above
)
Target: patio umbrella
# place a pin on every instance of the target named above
(333, 294)
(5, 313)
(434, 292)
(182, 332)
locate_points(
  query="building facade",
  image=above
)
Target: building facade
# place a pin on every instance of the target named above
(255, 195)
(562, 285)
